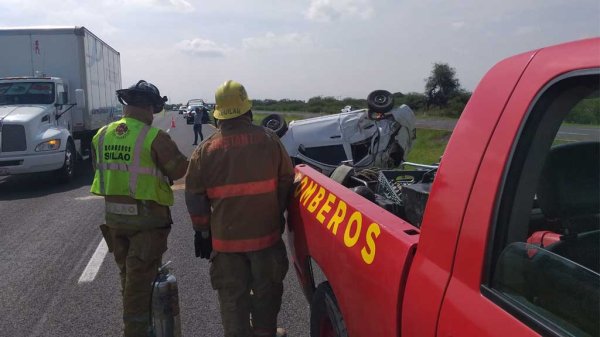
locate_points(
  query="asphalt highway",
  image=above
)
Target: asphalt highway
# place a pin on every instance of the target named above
(567, 132)
(58, 280)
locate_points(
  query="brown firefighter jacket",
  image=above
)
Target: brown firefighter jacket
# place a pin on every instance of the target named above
(171, 162)
(237, 185)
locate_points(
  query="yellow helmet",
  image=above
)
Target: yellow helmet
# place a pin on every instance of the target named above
(231, 100)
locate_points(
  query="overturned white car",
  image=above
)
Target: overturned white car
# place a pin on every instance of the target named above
(379, 136)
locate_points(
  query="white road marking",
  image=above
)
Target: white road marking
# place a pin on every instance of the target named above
(90, 271)
(89, 197)
(168, 130)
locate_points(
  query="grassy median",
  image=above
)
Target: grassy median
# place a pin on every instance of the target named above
(429, 146)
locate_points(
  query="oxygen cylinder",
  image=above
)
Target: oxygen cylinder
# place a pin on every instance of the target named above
(166, 321)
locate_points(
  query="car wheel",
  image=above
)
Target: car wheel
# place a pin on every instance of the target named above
(325, 317)
(276, 123)
(67, 171)
(380, 101)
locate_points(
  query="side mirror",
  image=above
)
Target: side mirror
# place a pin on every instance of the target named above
(64, 98)
(80, 98)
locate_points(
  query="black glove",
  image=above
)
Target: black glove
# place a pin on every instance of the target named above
(203, 244)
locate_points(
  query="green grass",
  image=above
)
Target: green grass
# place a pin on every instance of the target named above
(429, 146)
(258, 117)
(593, 126)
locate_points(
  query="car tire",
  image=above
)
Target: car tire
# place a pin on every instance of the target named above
(380, 101)
(325, 317)
(67, 171)
(275, 123)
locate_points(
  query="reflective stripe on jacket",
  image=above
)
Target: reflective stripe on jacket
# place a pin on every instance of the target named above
(124, 165)
(237, 185)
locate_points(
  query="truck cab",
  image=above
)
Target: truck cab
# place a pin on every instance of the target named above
(35, 126)
(57, 89)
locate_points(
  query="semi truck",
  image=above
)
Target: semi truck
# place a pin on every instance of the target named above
(57, 88)
(500, 238)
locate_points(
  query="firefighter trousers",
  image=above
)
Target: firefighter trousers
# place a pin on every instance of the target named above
(250, 286)
(138, 255)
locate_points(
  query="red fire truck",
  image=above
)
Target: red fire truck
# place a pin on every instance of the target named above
(501, 239)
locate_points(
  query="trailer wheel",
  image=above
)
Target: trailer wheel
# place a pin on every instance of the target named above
(67, 172)
(325, 317)
(276, 123)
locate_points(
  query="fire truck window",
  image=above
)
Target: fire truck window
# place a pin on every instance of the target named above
(544, 258)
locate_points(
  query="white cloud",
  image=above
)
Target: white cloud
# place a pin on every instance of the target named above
(458, 24)
(101, 6)
(332, 10)
(271, 41)
(201, 47)
(163, 5)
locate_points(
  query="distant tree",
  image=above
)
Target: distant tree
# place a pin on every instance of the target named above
(441, 85)
(457, 103)
(414, 100)
(397, 95)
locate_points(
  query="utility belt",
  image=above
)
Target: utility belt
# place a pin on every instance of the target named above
(141, 207)
(143, 212)
(121, 208)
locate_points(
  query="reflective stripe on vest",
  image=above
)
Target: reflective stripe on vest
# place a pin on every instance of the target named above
(125, 165)
(134, 169)
(100, 156)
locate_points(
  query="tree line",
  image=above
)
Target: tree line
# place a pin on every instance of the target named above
(443, 95)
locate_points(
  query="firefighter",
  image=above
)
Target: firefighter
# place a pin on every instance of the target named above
(135, 165)
(237, 214)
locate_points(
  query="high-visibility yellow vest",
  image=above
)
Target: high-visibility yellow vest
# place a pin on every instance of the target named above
(124, 164)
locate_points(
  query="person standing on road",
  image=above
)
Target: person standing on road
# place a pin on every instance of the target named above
(237, 211)
(198, 121)
(135, 165)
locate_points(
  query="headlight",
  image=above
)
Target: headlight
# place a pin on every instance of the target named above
(51, 145)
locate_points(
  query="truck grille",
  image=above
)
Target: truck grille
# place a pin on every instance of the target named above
(13, 138)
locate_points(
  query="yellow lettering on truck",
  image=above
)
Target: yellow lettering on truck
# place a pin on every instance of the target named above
(308, 192)
(316, 200)
(351, 239)
(373, 232)
(337, 218)
(325, 208)
(328, 209)
(300, 186)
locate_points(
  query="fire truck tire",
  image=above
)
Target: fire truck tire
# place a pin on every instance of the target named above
(325, 317)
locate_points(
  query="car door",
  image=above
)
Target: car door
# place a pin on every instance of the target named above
(504, 281)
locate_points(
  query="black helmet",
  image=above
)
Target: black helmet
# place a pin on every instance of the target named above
(142, 94)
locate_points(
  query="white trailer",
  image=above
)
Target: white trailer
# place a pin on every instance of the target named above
(57, 88)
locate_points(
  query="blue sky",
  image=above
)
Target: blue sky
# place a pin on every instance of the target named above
(298, 49)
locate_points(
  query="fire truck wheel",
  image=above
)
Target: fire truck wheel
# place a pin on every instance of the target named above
(325, 317)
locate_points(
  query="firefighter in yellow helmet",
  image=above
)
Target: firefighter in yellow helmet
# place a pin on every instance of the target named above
(237, 187)
(135, 165)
